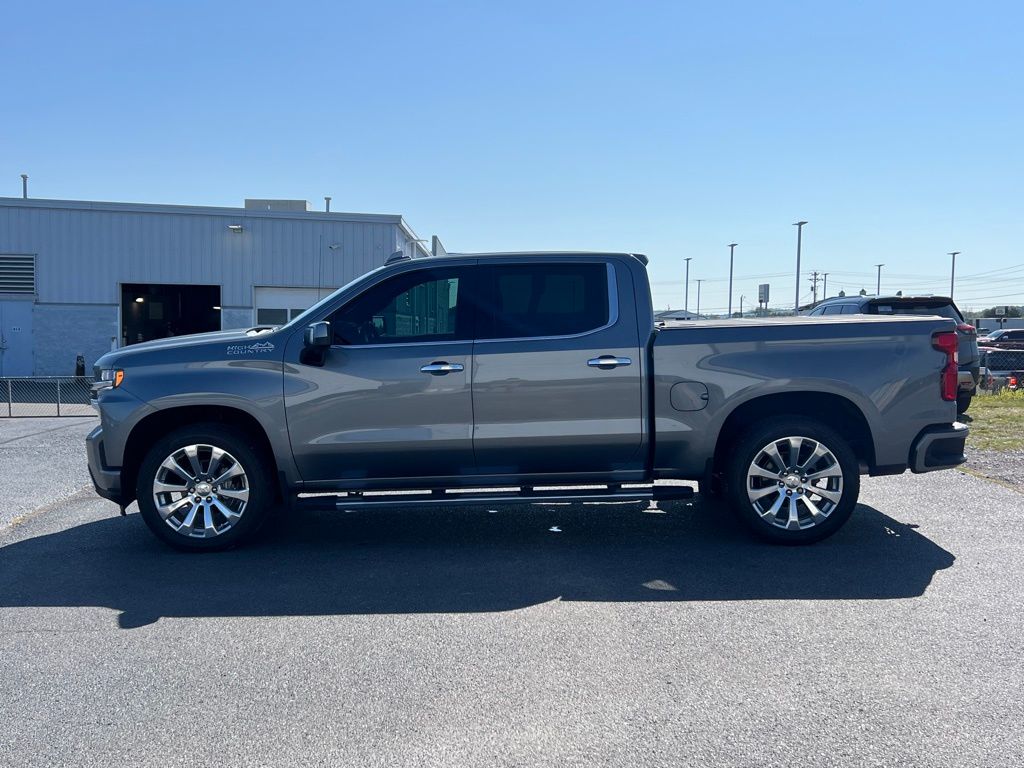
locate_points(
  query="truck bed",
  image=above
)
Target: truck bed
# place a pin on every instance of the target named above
(707, 370)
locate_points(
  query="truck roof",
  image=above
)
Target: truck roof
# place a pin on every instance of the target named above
(528, 254)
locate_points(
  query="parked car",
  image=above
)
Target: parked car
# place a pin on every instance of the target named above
(448, 378)
(1004, 338)
(968, 361)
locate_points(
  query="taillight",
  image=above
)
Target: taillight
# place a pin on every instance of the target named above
(946, 341)
(965, 328)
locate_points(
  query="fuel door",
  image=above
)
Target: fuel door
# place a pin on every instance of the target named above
(688, 396)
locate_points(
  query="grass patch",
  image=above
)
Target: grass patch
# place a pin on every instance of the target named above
(997, 422)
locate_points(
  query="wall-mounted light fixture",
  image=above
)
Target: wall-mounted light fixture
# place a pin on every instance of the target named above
(236, 228)
(139, 300)
(217, 308)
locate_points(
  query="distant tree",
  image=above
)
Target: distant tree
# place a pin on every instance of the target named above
(1010, 311)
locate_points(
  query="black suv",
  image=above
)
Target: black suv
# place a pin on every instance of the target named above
(1004, 338)
(970, 365)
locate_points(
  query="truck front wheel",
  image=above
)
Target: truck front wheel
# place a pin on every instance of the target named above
(792, 480)
(204, 487)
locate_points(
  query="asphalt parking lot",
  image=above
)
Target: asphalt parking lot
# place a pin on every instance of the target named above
(468, 637)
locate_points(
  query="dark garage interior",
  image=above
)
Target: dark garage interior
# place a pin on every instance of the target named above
(156, 311)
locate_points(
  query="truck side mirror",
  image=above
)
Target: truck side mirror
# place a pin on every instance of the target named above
(318, 335)
(316, 340)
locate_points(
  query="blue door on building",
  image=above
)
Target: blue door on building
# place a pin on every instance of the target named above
(15, 338)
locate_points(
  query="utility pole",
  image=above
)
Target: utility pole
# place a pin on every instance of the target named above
(732, 247)
(686, 291)
(814, 286)
(952, 272)
(698, 297)
(824, 289)
(878, 286)
(799, 238)
(742, 297)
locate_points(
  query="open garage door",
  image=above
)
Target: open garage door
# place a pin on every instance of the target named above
(156, 311)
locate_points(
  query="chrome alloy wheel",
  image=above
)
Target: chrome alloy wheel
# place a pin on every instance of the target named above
(794, 483)
(201, 491)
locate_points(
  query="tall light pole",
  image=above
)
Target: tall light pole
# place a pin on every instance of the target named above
(878, 285)
(732, 248)
(799, 240)
(686, 291)
(952, 272)
(699, 281)
(824, 287)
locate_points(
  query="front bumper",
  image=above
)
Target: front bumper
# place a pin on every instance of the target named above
(939, 447)
(106, 480)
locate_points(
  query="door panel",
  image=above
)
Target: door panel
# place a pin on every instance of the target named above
(393, 396)
(15, 338)
(540, 407)
(370, 412)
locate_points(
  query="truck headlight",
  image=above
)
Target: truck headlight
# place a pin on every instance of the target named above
(111, 377)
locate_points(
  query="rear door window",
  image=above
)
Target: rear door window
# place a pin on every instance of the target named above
(833, 309)
(532, 300)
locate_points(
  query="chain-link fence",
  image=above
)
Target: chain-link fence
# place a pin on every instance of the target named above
(1001, 369)
(45, 396)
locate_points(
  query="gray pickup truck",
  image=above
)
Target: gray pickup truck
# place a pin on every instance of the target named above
(482, 379)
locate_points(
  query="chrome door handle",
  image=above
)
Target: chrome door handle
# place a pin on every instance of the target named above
(439, 367)
(607, 362)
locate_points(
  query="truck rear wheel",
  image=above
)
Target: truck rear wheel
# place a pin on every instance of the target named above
(792, 480)
(963, 402)
(204, 487)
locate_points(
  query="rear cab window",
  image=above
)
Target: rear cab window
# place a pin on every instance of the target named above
(925, 308)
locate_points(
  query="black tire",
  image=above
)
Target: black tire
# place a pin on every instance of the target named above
(258, 473)
(748, 447)
(963, 402)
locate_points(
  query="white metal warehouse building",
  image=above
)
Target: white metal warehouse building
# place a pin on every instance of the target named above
(79, 277)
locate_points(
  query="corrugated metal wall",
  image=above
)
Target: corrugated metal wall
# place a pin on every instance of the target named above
(85, 250)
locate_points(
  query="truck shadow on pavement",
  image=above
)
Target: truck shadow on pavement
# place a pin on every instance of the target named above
(462, 560)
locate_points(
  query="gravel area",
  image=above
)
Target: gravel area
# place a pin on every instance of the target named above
(1005, 466)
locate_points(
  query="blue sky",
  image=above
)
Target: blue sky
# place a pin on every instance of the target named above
(672, 129)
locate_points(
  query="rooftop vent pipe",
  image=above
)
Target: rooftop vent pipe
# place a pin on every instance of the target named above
(24, 186)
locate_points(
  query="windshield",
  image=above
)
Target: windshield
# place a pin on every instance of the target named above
(314, 310)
